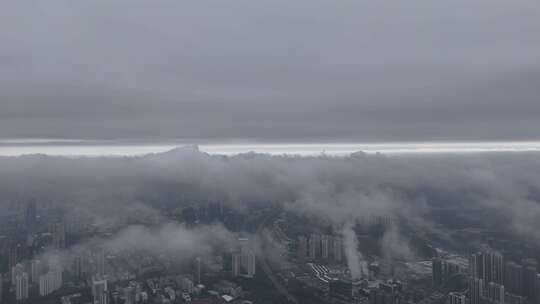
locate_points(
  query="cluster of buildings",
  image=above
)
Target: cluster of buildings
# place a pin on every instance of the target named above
(321, 274)
(390, 292)
(492, 280)
(446, 269)
(35, 276)
(320, 247)
(243, 259)
(25, 237)
(345, 290)
(39, 264)
(327, 277)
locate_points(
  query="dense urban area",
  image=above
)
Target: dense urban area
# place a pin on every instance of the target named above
(49, 256)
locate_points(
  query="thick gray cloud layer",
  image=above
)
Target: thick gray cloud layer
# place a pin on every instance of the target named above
(462, 69)
(430, 194)
(488, 187)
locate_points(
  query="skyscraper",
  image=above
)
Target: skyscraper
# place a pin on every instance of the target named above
(248, 263)
(21, 286)
(16, 270)
(495, 293)
(302, 247)
(130, 295)
(456, 298)
(513, 278)
(325, 246)
(488, 265)
(12, 258)
(529, 279)
(476, 290)
(100, 263)
(198, 270)
(443, 270)
(36, 269)
(1, 287)
(476, 265)
(58, 231)
(493, 267)
(80, 266)
(314, 246)
(100, 291)
(337, 248)
(52, 280)
(247, 258)
(236, 264)
(244, 262)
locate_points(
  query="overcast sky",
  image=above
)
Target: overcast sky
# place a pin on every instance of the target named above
(273, 70)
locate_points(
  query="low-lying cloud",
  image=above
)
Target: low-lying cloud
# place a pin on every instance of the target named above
(338, 190)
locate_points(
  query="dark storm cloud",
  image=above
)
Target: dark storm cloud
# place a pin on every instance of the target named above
(270, 69)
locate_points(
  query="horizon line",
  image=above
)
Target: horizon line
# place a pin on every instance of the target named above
(84, 148)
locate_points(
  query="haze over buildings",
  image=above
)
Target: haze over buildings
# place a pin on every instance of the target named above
(296, 152)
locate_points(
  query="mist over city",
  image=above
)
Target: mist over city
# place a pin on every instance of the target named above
(155, 215)
(269, 152)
